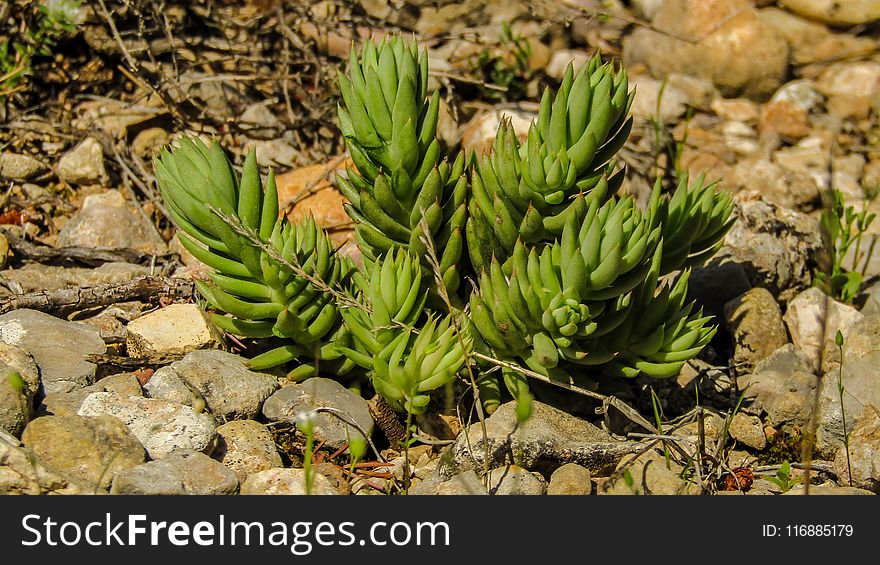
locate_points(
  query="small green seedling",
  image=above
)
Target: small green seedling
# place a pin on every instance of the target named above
(783, 478)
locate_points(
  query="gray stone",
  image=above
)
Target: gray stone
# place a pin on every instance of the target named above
(108, 220)
(292, 400)
(161, 426)
(649, 474)
(570, 479)
(748, 429)
(286, 482)
(466, 483)
(862, 338)
(550, 438)
(785, 188)
(782, 386)
(35, 276)
(16, 407)
(58, 347)
(511, 479)
(68, 403)
(762, 487)
(166, 384)
(850, 88)
(84, 164)
(870, 298)
(21, 473)
(861, 390)
(231, 391)
(246, 447)
(118, 119)
(713, 429)
(259, 121)
(175, 329)
(768, 246)
(183, 472)
(19, 383)
(813, 318)
(88, 450)
(810, 155)
(14, 166)
(864, 453)
(755, 321)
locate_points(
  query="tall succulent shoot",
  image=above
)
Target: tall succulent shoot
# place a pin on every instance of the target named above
(400, 182)
(270, 276)
(407, 353)
(525, 191)
(568, 272)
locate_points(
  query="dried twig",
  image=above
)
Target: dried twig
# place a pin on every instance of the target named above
(68, 300)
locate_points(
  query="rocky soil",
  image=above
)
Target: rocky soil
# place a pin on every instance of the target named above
(114, 380)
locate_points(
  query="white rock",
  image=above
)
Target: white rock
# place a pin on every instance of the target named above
(560, 59)
(161, 426)
(176, 329)
(479, 133)
(806, 321)
(286, 482)
(649, 91)
(801, 92)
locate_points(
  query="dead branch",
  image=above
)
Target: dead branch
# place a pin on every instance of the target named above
(68, 300)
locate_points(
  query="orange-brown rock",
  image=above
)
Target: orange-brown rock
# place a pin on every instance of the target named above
(309, 190)
(785, 118)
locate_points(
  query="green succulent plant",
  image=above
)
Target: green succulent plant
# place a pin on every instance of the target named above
(526, 190)
(407, 359)
(270, 277)
(695, 220)
(393, 297)
(400, 183)
(572, 281)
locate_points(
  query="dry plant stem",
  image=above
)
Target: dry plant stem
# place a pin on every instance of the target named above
(840, 390)
(822, 467)
(132, 363)
(386, 419)
(623, 407)
(441, 287)
(810, 439)
(132, 63)
(684, 419)
(68, 300)
(343, 301)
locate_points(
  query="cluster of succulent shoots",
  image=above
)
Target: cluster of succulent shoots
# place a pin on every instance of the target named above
(570, 280)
